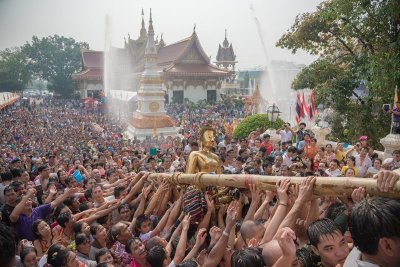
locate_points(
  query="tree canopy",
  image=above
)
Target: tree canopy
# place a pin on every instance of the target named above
(55, 59)
(358, 44)
(253, 122)
(14, 73)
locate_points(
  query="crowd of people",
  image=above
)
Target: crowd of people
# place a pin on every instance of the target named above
(75, 191)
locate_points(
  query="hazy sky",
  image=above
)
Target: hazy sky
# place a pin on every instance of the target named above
(84, 20)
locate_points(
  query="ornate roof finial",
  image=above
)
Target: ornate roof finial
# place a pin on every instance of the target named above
(143, 29)
(151, 18)
(194, 28)
(151, 23)
(142, 19)
(225, 43)
(161, 43)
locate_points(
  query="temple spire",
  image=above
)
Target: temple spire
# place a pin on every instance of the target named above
(142, 18)
(225, 43)
(161, 43)
(151, 24)
(150, 47)
(143, 29)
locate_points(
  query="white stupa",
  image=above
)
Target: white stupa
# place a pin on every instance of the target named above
(150, 118)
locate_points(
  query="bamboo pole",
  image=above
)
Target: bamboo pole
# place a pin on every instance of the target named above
(324, 186)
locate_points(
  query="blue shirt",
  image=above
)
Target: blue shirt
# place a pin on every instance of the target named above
(23, 226)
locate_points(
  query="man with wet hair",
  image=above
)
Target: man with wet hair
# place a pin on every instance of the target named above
(375, 229)
(8, 247)
(247, 257)
(327, 242)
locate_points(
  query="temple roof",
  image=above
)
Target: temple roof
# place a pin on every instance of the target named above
(225, 52)
(187, 57)
(92, 59)
(92, 66)
(167, 54)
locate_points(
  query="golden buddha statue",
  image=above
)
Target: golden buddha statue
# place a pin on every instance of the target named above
(204, 160)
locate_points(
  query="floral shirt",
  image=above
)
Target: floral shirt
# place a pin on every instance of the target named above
(118, 249)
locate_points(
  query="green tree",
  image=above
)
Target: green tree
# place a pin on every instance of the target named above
(14, 74)
(251, 123)
(55, 59)
(358, 43)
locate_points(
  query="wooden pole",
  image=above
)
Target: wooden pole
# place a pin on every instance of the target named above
(324, 186)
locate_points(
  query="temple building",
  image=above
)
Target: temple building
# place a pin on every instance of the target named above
(226, 59)
(150, 118)
(90, 79)
(185, 69)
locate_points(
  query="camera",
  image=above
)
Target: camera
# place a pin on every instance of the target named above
(386, 107)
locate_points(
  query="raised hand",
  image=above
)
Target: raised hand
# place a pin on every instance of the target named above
(215, 233)
(146, 191)
(255, 193)
(74, 190)
(283, 186)
(31, 192)
(210, 202)
(358, 194)
(233, 211)
(306, 189)
(52, 189)
(286, 238)
(201, 237)
(301, 227)
(294, 190)
(269, 195)
(386, 180)
(164, 186)
(186, 222)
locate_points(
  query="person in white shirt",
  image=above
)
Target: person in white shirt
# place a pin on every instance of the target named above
(374, 169)
(333, 170)
(375, 227)
(363, 162)
(287, 157)
(393, 162)
(286, 133)
(276, 168)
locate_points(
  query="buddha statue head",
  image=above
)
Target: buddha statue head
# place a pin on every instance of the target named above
(207, 137)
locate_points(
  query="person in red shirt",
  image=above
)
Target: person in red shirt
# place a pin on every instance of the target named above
(267, 143)
(311, 149)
